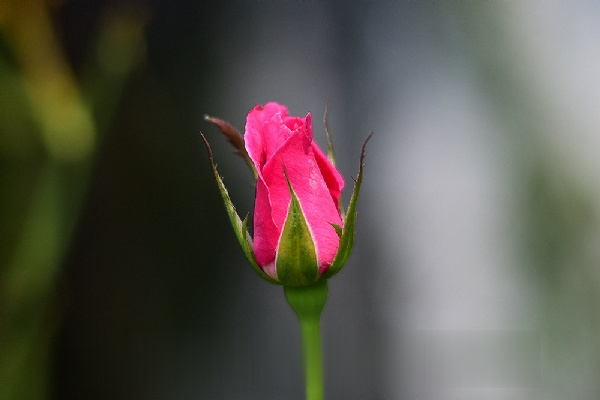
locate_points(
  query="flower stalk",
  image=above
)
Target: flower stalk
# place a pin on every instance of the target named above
(308, 302)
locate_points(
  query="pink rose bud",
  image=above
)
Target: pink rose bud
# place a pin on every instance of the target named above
(278, 143)
(300, 232)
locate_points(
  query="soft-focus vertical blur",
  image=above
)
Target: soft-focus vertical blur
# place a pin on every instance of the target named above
(475, 272)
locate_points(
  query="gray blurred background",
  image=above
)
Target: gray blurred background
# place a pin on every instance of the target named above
(120, 277)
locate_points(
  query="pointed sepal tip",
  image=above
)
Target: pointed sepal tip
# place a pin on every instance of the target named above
(239, 227)
(347, 236)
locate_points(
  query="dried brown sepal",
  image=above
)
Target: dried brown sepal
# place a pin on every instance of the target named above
(235, 138)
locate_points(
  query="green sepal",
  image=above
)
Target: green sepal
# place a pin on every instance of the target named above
(330, 154)
(239, 227)
(247, 249)
(347, 237)
(338, 230)
(296, 259)
(331, 158)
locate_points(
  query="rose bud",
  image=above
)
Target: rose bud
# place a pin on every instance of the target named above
(300, 233)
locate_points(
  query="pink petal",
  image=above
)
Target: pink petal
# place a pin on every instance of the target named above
(333, 179)
(266, 233)
(315, 198)
(276, 131)
(255, 123)
(274, 139)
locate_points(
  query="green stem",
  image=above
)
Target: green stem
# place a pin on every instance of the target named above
(308, 302)
(311, 345)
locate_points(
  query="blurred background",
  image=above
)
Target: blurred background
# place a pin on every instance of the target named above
(120, 277)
